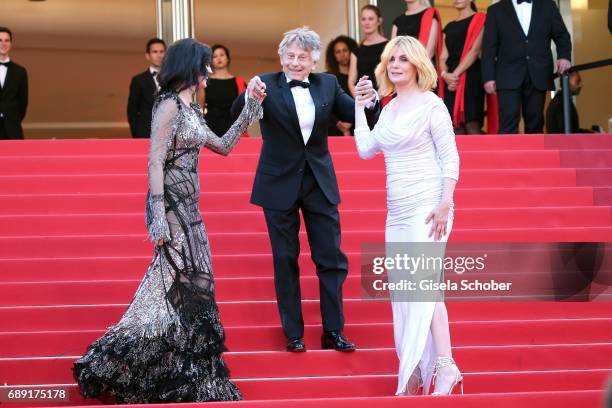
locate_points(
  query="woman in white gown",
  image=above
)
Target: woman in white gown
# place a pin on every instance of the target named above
(415, 134)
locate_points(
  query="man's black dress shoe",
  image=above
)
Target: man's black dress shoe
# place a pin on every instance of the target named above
(336, 340)
(296, 345)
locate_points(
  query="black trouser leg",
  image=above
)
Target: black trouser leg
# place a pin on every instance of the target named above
(323, 228)
(509, 110)
(533, 108)
(3, 134)
(283, 229)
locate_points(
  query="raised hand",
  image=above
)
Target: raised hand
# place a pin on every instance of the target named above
(256, 89)
(364, 92)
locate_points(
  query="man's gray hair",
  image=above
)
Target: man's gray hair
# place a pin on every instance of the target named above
(305, 38)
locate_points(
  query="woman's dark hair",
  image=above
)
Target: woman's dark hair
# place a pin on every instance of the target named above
(331, 63)
(224, 48)
(183, 63)
(473, 5)
(376, 11)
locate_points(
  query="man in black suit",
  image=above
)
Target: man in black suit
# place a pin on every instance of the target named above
(13, 90)
(517, 61)
(143, 88)
(294, 172)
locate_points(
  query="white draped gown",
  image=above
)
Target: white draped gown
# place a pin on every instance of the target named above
(420, 151)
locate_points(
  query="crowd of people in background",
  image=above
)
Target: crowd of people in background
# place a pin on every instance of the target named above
(497, 65)
(485, 62)
(503, 56)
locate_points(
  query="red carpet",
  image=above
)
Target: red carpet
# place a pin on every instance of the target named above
(73, 250)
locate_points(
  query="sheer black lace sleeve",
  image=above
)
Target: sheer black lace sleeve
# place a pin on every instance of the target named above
(251, 112)
(163, 128)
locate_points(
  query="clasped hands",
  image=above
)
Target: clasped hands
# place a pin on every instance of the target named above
(364, 92)
(256, 89)
(451, 79)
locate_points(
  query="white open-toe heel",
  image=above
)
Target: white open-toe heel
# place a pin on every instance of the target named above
(441, 362)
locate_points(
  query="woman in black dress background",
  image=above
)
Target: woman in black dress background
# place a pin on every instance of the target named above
(409, 23)
(338, 62)
(222, 89)
(453, 66)
(366, 59)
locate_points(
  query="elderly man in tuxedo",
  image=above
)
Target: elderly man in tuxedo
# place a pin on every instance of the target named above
(517, 61)
(295, 172)
(13, 90)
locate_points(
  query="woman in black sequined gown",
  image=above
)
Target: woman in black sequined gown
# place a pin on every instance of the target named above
(168, 345)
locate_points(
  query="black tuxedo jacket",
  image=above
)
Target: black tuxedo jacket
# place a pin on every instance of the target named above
(283, 153)
(140, 104)
(14, 99)
(508, 55)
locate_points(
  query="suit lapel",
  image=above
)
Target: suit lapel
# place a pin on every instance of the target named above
(514, 17)
(315, 93)
(6, 79)
(536, 7)
(289, 105)
(151, 83)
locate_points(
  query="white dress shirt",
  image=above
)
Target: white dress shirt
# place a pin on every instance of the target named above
(523, 12)
(3, 70)
(304, 105)
(154, 73)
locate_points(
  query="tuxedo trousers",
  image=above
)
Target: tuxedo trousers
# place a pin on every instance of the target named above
(8, 131)
(527, 99)
(322, 222)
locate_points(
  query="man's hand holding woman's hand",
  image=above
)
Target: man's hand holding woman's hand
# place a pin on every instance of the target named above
(256, 89)
(364, 92)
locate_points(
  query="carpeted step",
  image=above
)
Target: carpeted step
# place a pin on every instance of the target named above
(237, 289)
(111, 203)
(265, 313)
(304, 389)
(120, 164)
(317, 363)
(257, 242)
(352, 180)
(366, 335)
(253, 221)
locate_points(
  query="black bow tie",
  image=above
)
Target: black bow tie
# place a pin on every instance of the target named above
(6, 64)
(295, 82)
(154, 73)
(523, 1)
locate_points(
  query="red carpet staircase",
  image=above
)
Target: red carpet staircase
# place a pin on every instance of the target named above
(73, 249)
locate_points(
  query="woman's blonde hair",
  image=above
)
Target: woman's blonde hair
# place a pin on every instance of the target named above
(426, 74)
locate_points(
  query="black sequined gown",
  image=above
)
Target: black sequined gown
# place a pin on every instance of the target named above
(167, 346)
